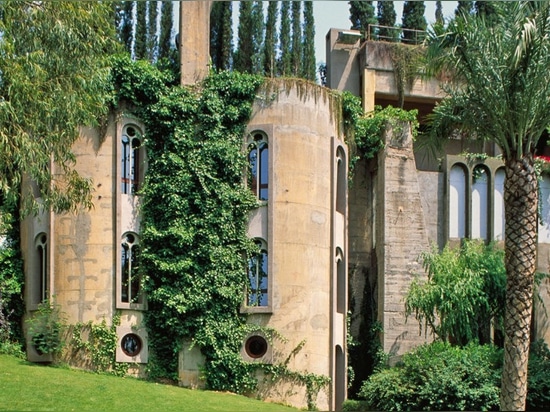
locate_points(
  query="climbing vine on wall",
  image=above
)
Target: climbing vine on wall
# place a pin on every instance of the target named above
(194, 214)
(364, 131)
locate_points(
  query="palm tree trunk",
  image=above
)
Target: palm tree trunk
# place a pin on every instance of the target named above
(521, 210)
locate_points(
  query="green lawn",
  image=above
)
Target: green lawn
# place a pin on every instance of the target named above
(30, 387)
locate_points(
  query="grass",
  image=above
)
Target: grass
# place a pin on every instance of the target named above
(26, 386)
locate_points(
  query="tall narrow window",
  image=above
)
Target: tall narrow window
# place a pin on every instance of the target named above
(480, 202)
(544, 208)
(257, 276)
(341, 180)
(130, 166)
(43, 278)
(498, 217)
(340, 282)
(258, 160)
(457, 202)
(130, 281)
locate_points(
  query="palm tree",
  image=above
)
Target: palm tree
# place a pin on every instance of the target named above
(501, 93)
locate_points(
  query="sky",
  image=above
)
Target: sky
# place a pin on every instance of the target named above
(335, 14)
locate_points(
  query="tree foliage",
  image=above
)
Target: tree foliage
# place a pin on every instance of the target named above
(245, 45)
(386, 17)
(54, 80)
(284, 40)
(296, 49)
(308, 62)
(221, 34)
(361, 15)
(270, 43)
(413, 19)
(500, 93)
(463, 295)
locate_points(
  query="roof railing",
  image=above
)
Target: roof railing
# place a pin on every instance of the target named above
(395, 34)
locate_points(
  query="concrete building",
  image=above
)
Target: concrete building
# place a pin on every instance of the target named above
(397, 205)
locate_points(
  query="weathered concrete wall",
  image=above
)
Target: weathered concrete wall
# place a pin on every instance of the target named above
(194, 34)
(300, 215)
(84, 254)
(400, 238)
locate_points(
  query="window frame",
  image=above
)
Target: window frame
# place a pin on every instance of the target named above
(258, 176)
(122, 301)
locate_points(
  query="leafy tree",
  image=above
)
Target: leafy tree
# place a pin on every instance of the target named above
(166, 24)
(501, 93)
(270, 43)
(245, 46)
(140, 37)
(386, 17)
(126, 24)
(464, 293)
(361, 15)
(486, 9)
(308, 63)
(258, 29)
(464, 7)
(439, 13)
(221, 34)
(296, 46)
(152, 39)
(54, 79)
(285, 62)
(413, 19)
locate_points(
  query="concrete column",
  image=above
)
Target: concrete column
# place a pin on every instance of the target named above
(194, 41)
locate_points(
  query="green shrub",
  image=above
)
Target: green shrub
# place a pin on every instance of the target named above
(46, 328)
(438, 376)
(463, 294)
(538, 377)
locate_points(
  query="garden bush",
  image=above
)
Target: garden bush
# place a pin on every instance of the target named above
(438, 376)
(538, 377)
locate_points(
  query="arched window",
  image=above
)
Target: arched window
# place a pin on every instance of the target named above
(544, 201)
(340, 282)
(341, 180)
(257, 294)
(480, 202)
(130, 282)
(258, 161)
(131, 160)
(42, 275)
(457, 202)
(498, 218)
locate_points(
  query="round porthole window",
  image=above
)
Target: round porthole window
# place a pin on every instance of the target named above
(256, 346)
(131, 344)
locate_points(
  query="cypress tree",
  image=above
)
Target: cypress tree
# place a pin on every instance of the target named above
(464, 7)
(308, 63)
(439, 13)
(245, 49)
(285, 62)
(166, 23)
(270, 39)
(126, 26)
(361, 15)
(413, 18)
(486, 9)
(296, 49)
(152, 39)
(221, 34)
(258, 29)
(386, 17)
(140, 49)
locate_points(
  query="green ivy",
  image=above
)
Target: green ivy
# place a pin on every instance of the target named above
(364, 132)
(194, 217)
(99, 341)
